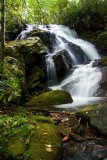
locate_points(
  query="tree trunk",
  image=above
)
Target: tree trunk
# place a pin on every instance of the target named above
(2, 33)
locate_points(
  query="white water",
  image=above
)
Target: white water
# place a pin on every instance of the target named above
(51, 72)
(84, 81)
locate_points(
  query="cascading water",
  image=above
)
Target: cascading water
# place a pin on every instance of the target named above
(84, 80)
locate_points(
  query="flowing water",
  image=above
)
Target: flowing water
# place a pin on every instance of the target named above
(83, 82)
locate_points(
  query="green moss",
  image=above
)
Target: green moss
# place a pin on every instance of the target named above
(32, 45)
(103, 62)
(28, 49)
(35, 78)
(15, 147)
(47, 143)
(49, 98)
(29, 137)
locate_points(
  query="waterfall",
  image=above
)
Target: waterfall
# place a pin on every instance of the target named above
(51, 72)
(84, 80)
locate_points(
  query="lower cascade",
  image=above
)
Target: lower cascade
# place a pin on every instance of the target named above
(78, 76)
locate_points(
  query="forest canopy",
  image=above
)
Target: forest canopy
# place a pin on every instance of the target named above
(77, 14)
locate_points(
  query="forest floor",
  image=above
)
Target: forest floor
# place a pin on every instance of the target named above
(81, 141)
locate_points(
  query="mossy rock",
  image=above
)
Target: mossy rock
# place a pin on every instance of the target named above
(26, 136)
(39, 33)
(102, 62)
(30, 49)
(47, 99)
(35, 80)
(11, 51)
(96, 115)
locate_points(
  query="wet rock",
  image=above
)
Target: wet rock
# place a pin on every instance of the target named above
(63, 64)
(48, 39)
(78, 53)
(96, 115)
(89, 150)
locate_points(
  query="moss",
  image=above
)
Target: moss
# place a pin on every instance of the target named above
(36, 74)
(96, 115)
(41, 34)
(29, 137)
(35, 79)
(28, 49)
(103, 62)
(32, 45)
(47, 143)
(15, 147)
(50, 98)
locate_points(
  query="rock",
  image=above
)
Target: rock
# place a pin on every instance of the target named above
(78, 53)
(102, 65)
(28, 52)
(47, 99)
(36, 79)
(96, 115)
(63, 64)
(47, 38)
(29, 137)
(31, 49)
(88, 150)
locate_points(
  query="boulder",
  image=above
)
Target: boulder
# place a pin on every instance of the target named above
(50, 98)
(36, 79)
(96, 115)
(63, 64)
(48, 39)
(31, 49)
(30, 53)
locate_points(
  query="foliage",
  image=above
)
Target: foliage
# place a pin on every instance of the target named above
(77, 14)
(9, 84)
(85, 14)
(27, 136)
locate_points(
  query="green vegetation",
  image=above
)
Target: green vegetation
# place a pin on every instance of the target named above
(10, 89)
(25, 136)
(86, 15)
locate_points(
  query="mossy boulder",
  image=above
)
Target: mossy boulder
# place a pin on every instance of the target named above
(47, 38)
(28, 52)
(26, 136)
(50, 98)
(96, 115)
(30, 49)
(36, 79)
